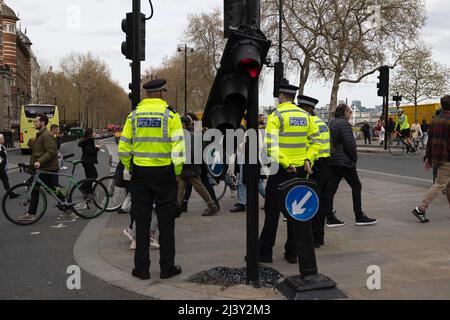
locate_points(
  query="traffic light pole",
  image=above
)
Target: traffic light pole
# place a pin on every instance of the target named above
(136, 64)
(252, 189)
(386, 120)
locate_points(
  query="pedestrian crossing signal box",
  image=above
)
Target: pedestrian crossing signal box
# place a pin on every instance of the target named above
(298, 199)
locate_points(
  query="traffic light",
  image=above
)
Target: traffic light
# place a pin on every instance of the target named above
(383, 85)
(241, 65)
(128, 27)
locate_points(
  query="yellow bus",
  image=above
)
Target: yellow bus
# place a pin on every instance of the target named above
(27, 117)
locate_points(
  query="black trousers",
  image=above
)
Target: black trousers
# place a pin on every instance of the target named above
(351, 176)
(5, 180)
(367, 137)
(91, 173)
(49, 180)
(322, 178)
(151, 185)
(272, 216)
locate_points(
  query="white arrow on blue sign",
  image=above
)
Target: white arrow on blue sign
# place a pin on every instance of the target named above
(302, 203)
(215, 163)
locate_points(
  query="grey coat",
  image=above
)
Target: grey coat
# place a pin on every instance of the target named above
(344, 151)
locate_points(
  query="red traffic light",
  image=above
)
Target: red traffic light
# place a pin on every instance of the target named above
(251, 66)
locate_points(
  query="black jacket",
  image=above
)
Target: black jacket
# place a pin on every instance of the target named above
(366, 128)
(3, 159)
(344, 145)
(190, 169)
(89, 150)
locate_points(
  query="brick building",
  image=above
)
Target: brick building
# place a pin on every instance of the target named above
(16, 62)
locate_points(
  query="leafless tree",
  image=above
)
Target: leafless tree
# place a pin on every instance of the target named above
(421, 78)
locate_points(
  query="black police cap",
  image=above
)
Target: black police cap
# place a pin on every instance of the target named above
(155, 85)
(307, 101)
(287, 88)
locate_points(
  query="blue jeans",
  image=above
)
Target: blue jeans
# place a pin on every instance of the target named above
(242, 188)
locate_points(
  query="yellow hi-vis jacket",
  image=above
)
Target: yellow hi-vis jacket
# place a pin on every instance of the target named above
(153, 137)
(291, 136)
(323, 141)
(403, 121)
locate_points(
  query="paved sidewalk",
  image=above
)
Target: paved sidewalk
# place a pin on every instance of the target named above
(414, 258)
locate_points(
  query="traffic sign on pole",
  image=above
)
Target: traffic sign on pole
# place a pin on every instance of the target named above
(302, 203)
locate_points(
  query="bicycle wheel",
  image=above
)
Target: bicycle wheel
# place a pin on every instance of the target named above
(14, 208)
(89, 199)
(396, 147)
(116, 195)
(220, 188)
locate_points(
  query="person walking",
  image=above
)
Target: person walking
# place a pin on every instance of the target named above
(44, 157)
(321, 168)
(424, 127)
(152, 149)
(438, 156)
(416, 130)
(89, 158)
(366, 131)
(291, 140)
(381, 131)
(191, 173)
(344, 159)
(4, 167)
(241, 206)
(390, 130)
(204, 176)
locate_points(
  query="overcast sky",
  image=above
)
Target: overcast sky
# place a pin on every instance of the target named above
(58, 27)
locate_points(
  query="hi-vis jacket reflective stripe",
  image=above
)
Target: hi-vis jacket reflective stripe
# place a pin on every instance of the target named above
(403, 121)
(153, 136)
(323, 141)
(291, 136)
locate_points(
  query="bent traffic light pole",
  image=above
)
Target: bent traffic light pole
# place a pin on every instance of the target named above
(235, 92)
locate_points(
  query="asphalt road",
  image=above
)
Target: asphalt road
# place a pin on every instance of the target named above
(34, 260)
(405, 165)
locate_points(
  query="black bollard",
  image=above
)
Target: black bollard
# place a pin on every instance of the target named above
(309, 278)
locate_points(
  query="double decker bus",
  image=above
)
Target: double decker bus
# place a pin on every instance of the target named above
(28, 115)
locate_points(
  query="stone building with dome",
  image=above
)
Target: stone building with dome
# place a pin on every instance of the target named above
(16, 63)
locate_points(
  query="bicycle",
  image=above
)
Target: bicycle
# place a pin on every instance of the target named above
(222, 184)
(398, 146)
(117, 195)
(84, 204)
(419, 144)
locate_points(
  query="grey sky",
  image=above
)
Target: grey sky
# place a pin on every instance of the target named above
(58, 27)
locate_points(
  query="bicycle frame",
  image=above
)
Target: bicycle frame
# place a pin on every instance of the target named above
(50, 192)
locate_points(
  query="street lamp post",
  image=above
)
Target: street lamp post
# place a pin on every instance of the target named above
(186, 48)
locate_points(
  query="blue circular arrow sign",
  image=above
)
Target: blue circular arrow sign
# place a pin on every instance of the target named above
(302, 203)
(215, 164)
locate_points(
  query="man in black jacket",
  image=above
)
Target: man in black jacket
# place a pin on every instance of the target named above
(366, 130)
(191, 173)
(344, 158)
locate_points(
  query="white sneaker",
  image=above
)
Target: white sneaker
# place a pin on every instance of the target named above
(154, 244)
(129, 233)
(81, 206)
(67, 215)
(133, 245)
(27, 217)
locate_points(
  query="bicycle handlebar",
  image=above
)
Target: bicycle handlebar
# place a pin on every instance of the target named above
(26, 168)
